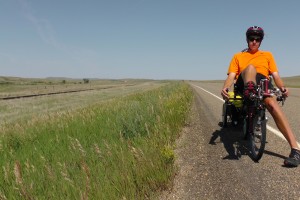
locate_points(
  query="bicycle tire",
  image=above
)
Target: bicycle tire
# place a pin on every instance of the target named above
(244, 132)
(224, 115)
(257, 140)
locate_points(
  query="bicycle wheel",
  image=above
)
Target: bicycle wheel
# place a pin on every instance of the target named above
(224, 115)
(257, 140)
(244, 132)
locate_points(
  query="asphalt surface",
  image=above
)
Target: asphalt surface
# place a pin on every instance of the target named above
(213, 162)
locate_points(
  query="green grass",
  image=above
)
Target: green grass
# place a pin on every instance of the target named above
(119, 149)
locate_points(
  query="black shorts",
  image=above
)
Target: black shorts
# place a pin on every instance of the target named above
(239, 85)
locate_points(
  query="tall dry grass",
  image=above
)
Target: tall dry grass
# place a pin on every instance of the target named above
(120, 149)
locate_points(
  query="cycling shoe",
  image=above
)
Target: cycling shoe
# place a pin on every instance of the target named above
(250, 91)
(294, 159)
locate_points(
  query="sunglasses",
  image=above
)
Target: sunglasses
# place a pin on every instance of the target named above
(251, 39)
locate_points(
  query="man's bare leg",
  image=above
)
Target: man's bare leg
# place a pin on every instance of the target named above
(249, 78)
(249, 74)
(281, 121)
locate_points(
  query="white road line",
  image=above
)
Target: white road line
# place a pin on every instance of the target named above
(270, 128)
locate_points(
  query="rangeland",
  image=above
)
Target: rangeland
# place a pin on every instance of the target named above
(113, 139)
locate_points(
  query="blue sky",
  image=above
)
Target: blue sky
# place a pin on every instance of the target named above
(156, 39)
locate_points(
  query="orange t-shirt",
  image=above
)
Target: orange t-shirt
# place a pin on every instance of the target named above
(262, 60)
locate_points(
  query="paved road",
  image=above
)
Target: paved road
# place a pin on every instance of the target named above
(291, 107)
(213, 162)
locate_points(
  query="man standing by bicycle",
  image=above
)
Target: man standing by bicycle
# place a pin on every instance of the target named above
(250, 66)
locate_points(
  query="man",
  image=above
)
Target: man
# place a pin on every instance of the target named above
(252, 65)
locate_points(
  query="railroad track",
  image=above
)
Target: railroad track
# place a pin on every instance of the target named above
(58, 92)
(42, 94)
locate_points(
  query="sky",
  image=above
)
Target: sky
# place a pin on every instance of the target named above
(152, 39)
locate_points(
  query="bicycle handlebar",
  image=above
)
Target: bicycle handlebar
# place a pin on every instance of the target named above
(275, 92)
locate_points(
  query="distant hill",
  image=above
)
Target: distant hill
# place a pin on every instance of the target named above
(292, 77)
(292, 81)
(20, 80)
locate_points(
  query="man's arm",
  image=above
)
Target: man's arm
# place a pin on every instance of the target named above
(227, 84)
(279, 83)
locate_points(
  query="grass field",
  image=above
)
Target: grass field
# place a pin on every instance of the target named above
(11, 86)
(114, 143)
(37, 107)
(293, 81)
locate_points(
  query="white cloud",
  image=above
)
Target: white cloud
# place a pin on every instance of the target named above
(43, 26)
(46, 32)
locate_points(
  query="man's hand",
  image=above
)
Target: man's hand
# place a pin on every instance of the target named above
(225, 94)
(228, 82)
(285, 91)
(279, 83)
